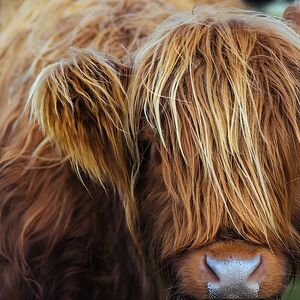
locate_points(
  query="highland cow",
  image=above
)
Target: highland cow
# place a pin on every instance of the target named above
(147, 153)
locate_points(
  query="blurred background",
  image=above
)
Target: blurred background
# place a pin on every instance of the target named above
(274, 7)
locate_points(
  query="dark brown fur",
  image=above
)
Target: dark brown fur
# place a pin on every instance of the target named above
(105, 212)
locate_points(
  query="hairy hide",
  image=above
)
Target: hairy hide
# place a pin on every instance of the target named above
(129, 137)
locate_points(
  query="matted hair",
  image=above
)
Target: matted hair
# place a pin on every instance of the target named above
(191, 138)
(219, 94)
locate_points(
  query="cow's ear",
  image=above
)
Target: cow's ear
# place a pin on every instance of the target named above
(292, 14)
(80, 103)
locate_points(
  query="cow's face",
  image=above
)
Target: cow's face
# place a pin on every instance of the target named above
(218, 131)
(201, 138)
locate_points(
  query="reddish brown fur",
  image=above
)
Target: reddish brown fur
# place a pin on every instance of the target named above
(113, 209)
(60, 239)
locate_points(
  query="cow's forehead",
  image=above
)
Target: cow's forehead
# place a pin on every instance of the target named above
(212, 16)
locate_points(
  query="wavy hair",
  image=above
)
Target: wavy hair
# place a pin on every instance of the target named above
(219, 94)
(215, 96)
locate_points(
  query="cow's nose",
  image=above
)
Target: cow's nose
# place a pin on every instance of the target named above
(235, 278)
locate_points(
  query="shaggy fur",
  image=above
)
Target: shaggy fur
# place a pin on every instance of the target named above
(150, 144)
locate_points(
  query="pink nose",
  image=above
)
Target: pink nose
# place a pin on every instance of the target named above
(233, 278)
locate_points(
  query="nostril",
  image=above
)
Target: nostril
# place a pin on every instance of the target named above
(209, 272)
(259, 272)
